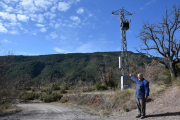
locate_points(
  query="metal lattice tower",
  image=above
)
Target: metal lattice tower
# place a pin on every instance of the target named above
(124, 25)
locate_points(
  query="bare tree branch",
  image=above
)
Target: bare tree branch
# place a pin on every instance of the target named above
(161, 38)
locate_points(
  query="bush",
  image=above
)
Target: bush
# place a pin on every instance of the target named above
(47, 90)
(50, 98)
(100, 86)
(126, 109)
(166, 76)
(29, 96)
(54, 86)
(64, 99)
(7, 105)
(27, 88)
(112, 84)
(63, 91)
(65, 87)
(33, 89)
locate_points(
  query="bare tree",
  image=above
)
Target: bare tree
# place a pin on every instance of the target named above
(134, 66)
(105, 71)
(162, 38)
(153, 71)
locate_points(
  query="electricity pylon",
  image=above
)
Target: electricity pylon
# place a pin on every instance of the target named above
(124, 25)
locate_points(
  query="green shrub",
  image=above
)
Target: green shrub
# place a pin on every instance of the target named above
(112, 84)
(47, 98)
(100, 86)
(27, 88)
(167, 76)
(7, 105)
(50, 98)
(65, 87)
(33, 89)
(64, 99)
(29, 96)
(54, 86)
(63, 91)
(125, 109)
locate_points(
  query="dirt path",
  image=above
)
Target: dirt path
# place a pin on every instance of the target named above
(49, 112)
(164, 107)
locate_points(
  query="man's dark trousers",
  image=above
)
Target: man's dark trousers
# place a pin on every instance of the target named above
(141, 104)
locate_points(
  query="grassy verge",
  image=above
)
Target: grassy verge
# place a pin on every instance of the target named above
(112, 103)
(8, 109)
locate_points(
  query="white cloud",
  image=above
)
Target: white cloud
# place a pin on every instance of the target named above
(3, 29)
(57, 26)
(78, 0)
(63, 6)
(50, 15)
(62, 37)
(6, 41)
(40, 18)
(75, 18)
(34, 33)
(90, 14)
(6, 7)
(7, 16)
(39, 25)
(43, 30)
(33, 17)
(53, 35)
(43, 4)
(88, 47)
(148, 3)
(28, 6)
(22, 18)
(15, 24)
(14, 32)
(7, 1)
(59, 50)
(80, 11)
(53, 9)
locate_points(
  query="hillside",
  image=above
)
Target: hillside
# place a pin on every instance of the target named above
(67, 67)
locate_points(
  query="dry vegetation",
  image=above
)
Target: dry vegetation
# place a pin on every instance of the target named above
(100, 98)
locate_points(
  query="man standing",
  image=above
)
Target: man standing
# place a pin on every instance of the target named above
(142, 93)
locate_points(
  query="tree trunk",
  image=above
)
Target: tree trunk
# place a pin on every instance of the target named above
(173, 70)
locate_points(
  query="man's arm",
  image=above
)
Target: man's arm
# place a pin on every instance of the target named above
(133, 78)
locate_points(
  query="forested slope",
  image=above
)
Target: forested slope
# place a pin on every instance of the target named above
(72, 66)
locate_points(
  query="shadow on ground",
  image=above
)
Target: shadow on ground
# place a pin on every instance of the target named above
(165, 114)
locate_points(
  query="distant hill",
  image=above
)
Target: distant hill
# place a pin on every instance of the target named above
(72, 66)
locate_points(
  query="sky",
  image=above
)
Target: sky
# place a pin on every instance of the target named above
(41, 27)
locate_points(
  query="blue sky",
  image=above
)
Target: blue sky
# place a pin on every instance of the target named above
(40, 27)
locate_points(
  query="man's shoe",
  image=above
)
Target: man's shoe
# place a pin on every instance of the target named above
(142, 117)
(138, 116)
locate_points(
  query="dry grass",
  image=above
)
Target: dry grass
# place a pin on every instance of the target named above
(157, 88)
(176, 82)
(11, 110)
(114, 103)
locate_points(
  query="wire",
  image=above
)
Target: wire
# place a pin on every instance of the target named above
(137, 6)
(124, 3)
(114, 5)
(135, 10)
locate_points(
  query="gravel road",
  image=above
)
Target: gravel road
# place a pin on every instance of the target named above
(49, 112)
